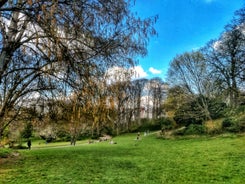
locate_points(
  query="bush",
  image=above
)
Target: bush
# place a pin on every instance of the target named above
(194, 129)
(228, 122)
(48, 138)
(230, 125)
(148, 124)
(106, 130)
(192, 112)
(62, 135)
(216, 108)
(165, 123)
(189, 113)
(241, 126)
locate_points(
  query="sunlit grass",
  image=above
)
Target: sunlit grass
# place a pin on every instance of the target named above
(149, 161)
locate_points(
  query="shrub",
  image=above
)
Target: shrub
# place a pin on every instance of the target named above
(189, 113)
(62, 135)
(194, 129)
(216, 108)
(165, 123)
(241, 126)
(230, 125)
(107, 130)
(192, 112)
(227, 122)
(148, 124)
(48, 138)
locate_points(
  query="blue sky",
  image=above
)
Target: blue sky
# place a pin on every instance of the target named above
(183, 25)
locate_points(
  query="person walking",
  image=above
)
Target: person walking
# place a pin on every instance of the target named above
(29, 144)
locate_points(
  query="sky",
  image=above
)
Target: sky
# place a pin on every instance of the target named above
(183, 25)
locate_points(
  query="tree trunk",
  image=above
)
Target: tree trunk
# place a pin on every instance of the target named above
(234, 91)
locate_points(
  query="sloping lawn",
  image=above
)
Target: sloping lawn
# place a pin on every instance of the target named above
(148, 161)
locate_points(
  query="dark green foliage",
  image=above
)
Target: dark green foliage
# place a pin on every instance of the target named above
(95, 136)
(241, 125)
(228, 122)
(230, 125)
(166, 123)
(193, 112)
(107, 130)
(233, 125)
(238, 111)
(48, 138)
(195, 130)
(216, 108)
(147, 124)
(162, 123)
(192, 129)
(27, 132)
(62, 135)
(189, 113)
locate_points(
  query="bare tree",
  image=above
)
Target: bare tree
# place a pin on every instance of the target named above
(138, 92)
(46, 44)
(157, 95)
(226, 56)
(120, 88)
(190, 72)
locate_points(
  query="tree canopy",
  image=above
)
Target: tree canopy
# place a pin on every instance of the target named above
(51, 48)
(210, 78)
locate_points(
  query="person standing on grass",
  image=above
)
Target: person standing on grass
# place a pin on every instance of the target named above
(138, 136)
(29, 144)
(137, 139)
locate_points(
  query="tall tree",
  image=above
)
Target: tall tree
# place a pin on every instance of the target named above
(157, 94)
(120, 93)
(138, 92)
(176, 96)
(226, 56)
(190, 71)
(47, 43)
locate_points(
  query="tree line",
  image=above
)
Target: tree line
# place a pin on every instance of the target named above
(209, 83)
(54, 61)
(56, 53)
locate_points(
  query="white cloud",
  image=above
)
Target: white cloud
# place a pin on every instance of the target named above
(120, 74)
(154, 71)
(139, 72)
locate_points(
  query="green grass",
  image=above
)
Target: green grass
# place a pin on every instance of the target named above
(148, 161)
(5, 152)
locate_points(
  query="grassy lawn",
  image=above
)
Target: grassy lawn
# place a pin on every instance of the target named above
(148, 161)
